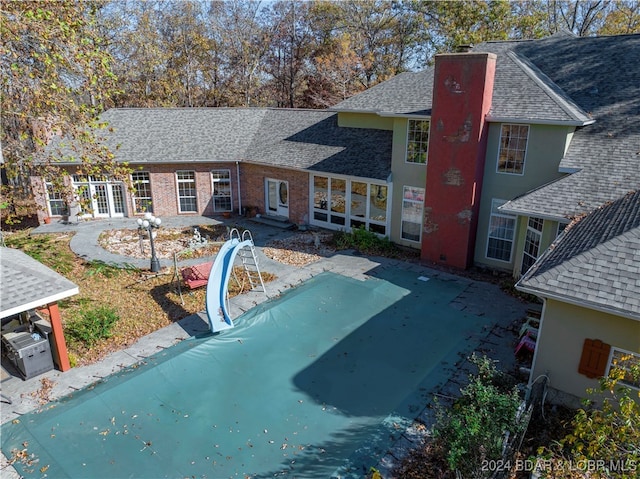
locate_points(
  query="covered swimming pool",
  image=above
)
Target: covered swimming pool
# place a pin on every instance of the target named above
(317, 383)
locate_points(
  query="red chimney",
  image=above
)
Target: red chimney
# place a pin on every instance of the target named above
(462, 93)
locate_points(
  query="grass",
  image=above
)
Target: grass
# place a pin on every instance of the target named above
(143, 302)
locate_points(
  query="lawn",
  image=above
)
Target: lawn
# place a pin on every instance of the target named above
(143, 302)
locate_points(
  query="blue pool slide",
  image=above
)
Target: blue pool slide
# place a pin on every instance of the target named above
(218, 284)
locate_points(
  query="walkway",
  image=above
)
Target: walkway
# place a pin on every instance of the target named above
(478, 298)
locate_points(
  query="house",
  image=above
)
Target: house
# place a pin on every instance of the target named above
(590, 282)
(481, 160)
(28, 285)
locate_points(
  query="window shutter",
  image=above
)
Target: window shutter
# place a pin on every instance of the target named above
(595, 355)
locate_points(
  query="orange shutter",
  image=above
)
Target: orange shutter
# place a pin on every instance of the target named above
(595, 355)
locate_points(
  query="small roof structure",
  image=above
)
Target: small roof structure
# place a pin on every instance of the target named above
(27, 284)
(593, 263)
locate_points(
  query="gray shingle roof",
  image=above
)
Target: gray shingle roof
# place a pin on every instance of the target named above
(312, 140)
(602, 74)
(595, 262)
(301, 139)
(26, 284)
(407, 93)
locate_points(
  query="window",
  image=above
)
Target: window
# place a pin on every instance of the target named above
(221, 190)
(513, 148)
(417, 141)
(625, 360)
(141, 192)
(339, 202)
(501, 232)
(57, 204)
(532, 243)
(412, 210)
(187, 191)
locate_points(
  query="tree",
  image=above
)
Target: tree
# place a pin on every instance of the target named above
(624, 18)
(56, 79)
(605, 439)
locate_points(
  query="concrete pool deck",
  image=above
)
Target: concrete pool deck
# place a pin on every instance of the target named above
(479, 298)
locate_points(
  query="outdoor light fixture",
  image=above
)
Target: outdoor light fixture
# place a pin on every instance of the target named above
(148, 223)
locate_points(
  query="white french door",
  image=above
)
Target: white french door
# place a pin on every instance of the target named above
(277, 198)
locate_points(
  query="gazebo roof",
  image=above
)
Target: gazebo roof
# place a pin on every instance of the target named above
(26, 283)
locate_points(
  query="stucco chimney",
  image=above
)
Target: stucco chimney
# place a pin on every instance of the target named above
(462, 93)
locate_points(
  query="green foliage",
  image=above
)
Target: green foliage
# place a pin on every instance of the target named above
(46, 249)
(91, 325)
(473, 429)
(366, 242)
(605, 440)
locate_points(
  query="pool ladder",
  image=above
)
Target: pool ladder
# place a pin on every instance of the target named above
(249, 260)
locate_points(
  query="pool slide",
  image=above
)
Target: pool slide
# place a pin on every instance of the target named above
(218, 284)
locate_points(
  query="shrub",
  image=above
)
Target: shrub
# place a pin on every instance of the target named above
(605, 439)
(365, 241)
(472, 432)
(91, 325)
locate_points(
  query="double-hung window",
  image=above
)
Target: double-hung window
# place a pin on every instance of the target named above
(625, 361)
(221, 190)
(417, 141)
(141, 192)
(412, 210)
(513, 148)
(187, 202)
(57, 204)
(501, 233)
(532, 243)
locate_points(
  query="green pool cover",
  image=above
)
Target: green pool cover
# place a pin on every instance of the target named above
(315, 384)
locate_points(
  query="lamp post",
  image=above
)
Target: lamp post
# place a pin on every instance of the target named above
(148, 223)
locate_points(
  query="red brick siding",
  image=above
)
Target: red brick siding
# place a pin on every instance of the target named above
(253, 188)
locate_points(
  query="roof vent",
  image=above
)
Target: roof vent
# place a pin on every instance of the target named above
(464, 48)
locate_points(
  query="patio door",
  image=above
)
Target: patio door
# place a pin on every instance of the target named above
(105, 198)
(277, 200)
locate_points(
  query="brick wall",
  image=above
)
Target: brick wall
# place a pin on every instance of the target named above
(253, 189)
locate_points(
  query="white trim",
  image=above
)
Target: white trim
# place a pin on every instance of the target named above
(582, 303)
(421, 203)
(500, 214)
(213, 188)
(524, 155)
(535, 121)
(178, 181)
(40, 302)
(406, 144)
(609, 361)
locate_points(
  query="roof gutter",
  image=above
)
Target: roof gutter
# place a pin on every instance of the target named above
(532, 121)
(576, 302)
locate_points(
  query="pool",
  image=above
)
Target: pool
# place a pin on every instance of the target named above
(317, 383)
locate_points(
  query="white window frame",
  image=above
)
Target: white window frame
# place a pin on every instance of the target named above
(613, 356)
(495, 204)
(414, 196)
(224, 195)
(423, 144)
(179, 196)
(514, 145)
(322, 214)
(532, 237)
(138, 201)
(55, 201)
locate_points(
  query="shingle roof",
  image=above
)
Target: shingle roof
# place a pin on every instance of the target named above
(407, 93)
(312, 140)
(602, 74)
(594, 262)
(301, 139)
(520, 91)
(27, 283)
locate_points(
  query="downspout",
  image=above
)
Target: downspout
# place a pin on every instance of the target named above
(239, 195)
